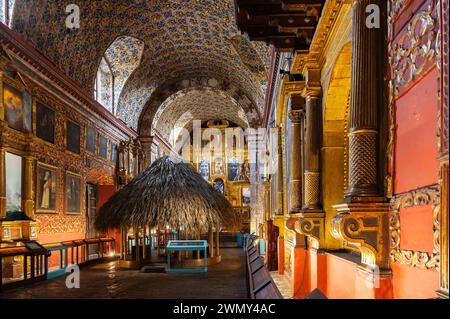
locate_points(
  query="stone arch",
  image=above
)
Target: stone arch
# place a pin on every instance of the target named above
(147, 116)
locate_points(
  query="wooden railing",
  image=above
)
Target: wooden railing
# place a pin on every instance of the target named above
(38, 257)
(260, 282)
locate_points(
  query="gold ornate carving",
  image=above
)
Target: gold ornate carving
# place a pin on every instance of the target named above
(415, 198)
(415, 50)
(296, 115)
(364, 226)
(312, 185)
(311, 225)
(363, 158)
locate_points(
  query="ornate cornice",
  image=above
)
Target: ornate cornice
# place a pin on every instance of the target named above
(15, 45)
(330, 14)
(420, 197)
(290, 87)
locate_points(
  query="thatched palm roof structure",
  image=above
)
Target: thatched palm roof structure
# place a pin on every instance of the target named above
(168, 193)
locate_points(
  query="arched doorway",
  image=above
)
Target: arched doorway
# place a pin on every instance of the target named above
(99, 188)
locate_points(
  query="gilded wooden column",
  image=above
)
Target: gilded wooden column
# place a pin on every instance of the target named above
(296, 156)
(311, 202)
(280, 175)
(363, 219)
(443, 147)
(2, 184)
(365, 99)
(28, 196)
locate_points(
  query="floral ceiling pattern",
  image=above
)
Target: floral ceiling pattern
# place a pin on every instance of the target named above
(124, 56)
(203, 104)
(182, 39)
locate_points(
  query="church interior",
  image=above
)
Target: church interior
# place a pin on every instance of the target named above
(289, 149)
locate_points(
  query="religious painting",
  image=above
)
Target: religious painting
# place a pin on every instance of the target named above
(73, 137)
(103, 147)
(218, 166)
(113, 155)
(233, 169)
(18, 108)
(46, 189)
(204, 169)
(219, 185)
(45, 123)
(73, 193)
(246, 197)
(90, 139)
(13, 170)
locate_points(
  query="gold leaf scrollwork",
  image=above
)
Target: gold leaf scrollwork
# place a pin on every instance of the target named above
(421, 197)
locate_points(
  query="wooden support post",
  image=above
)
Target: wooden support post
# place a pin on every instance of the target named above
(136, 244)
(211, 243)
(217, 242)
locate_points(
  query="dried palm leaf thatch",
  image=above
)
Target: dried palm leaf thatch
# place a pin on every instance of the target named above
(168, 193)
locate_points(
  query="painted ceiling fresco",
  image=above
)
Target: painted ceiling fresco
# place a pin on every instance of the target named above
(182, 39)
(203, 104)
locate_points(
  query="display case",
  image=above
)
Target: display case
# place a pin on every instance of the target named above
(186, 246)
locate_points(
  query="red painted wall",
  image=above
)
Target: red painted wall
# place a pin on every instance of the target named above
(416, 155)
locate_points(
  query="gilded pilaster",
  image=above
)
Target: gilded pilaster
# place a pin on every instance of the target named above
(28, 195)
(280, 180)
(296, 167)
(146, 143)
(363, 220)
(2, 184)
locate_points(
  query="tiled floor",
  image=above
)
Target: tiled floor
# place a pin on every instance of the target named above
(225, 280)
(282, 284)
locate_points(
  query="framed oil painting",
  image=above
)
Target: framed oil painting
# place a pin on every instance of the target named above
(73, 137)
(73, 193)
(18, 108)
(204, 169)
(46, 189)
(90, 139)
(45, 123)
(13, 170)
(103, 147)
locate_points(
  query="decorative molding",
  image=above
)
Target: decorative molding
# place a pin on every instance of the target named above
(313, 226)
(418, 197)
(415, 50)
(364, 226)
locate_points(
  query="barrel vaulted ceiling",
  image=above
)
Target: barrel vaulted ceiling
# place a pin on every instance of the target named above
(183, 40)
(190, 104)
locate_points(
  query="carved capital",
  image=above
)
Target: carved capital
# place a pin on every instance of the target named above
(365, 227)
(296, 115)
(311, 225)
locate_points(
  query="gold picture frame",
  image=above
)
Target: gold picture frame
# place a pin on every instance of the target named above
(73, 193)
(46, 189)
